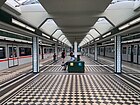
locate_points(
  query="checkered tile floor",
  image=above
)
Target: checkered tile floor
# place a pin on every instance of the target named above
(88, 69)
(97, 86)
(76, 89)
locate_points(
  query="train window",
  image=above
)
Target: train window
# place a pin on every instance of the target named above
(12, 52)
(106, 49)
(15, 51)
(109, 50)
(112, 50)
(102, 50)
(50, 50)
(124, 50)
(129, 50)
(2, 52)
(45, 50)
(24, 51)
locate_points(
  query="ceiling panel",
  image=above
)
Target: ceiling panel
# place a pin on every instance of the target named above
(75, 17)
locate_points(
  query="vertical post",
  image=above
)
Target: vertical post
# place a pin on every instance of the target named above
(118, 61)
(95, 52)
(88, 50)
(42, 52)
(75, 49)
(56, 51)
(35, 53)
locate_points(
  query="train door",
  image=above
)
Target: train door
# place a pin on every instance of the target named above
(132, 50)
(135, 54)
(12, 54)
(129, 54)
(139, 54)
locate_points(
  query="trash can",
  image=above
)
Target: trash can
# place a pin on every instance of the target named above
(76, 67)
(78, 57)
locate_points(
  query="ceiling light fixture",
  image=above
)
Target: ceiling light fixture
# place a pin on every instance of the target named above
(109, 33)
(97, 39)
(46, 35)
(130, 23)
(135, 21)
(22, 25)
(124, 26)
(54, 40)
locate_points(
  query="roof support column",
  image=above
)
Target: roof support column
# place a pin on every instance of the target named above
(35, 54)
(56, 51)
(118, 61)
(75, 49)
(95, 51)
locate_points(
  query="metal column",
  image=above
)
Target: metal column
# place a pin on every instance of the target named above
(95, 52)
(75, 49)
(118, 61)
(88, 50)
(56, 51)
(35, 53)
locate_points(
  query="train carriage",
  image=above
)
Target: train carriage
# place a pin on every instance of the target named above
(13, 53)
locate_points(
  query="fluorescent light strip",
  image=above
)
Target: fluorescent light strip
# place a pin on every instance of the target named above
(109, 33)
(130, 23)
(29, 28)
(18, 23)
(124, 26)
(96, 39)
(22, 25)
(46, 44)
(54, 40)
(135, 21)
(46, 35)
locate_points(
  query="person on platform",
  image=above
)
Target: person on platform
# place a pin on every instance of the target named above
(54, 57)
(63, 56)
(72, 58)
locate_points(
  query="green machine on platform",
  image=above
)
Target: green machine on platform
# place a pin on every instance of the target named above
(76, 67)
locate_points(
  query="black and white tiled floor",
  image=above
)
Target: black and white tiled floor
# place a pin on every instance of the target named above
(53, 87)
(76, 89)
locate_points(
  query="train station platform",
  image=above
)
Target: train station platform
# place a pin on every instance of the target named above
(14, 72)
(99, 85)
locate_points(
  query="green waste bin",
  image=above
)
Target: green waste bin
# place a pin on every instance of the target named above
(76, 67)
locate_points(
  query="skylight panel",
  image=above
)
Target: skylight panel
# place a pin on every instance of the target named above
(103, 25)
(61, 37)
(57, 33)
(49, 27)
(89, 37)
(25, 2)
(115, 1)
(94, 33)
(87, 40)
(64, 39)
